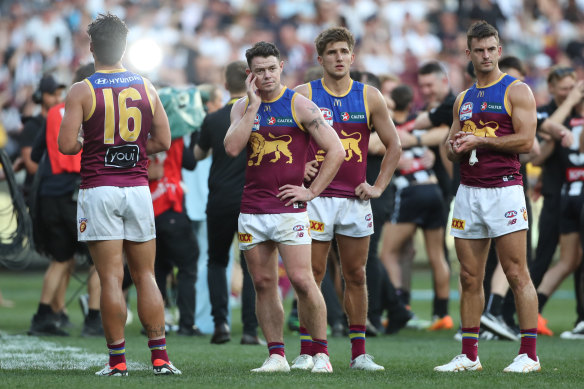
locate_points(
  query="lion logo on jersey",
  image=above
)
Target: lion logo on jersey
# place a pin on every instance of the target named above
(261, 147)
(486, 131)
(351, 145)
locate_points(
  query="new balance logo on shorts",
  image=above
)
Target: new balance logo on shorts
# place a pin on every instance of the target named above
(457, 224)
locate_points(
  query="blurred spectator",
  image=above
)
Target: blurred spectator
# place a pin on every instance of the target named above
(47, 94)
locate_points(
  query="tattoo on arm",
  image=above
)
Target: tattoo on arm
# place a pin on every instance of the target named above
(316, 123)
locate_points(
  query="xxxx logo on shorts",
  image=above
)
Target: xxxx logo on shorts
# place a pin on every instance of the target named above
(316, 226)
(82, 224)
(457, 224)
(524, 212)
(244, 238)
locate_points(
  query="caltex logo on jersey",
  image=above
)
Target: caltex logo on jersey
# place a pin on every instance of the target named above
(272, 121)
(327, 114)
(345, 116)
(483, 106)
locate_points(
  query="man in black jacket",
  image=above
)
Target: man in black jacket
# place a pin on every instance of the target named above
(226, 180)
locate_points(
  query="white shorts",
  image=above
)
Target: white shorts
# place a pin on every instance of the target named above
(339, 215)
(286, 228)
(488, 212)
(114, 213)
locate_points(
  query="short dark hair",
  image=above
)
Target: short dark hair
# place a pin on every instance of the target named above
(371, 79)
(432, 67)
(235, 76)
(481, 30)
(402, 96)
(84, 71)
(559, 72)
(313, 73)
(261, 49)
(108, 37)
(333, 34)
(512, 62)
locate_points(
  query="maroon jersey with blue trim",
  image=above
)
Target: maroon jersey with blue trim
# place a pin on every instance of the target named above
(486, 112)
(116, 131)
(348, 114)
(276, 155)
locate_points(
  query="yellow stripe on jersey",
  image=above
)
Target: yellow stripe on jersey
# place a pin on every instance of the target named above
(294, 113)
(492, 83)
(148, 94)
(277, 97)
(111, 71)
(506, 102)
(460, 101)
(367, 113)
(309, 90)
(90, 114)
(335, 95)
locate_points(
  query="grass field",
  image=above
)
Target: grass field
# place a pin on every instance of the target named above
(408, 357)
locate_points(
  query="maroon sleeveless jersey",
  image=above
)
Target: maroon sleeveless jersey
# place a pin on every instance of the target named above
(276, 155)
(116, 131)
(348, 114)
(486, 112)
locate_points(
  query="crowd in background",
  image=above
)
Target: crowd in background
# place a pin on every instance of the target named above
(199, 37)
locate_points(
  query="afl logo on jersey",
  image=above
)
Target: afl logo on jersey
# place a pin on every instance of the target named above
(272, 121)
(466, 111)
(345, 116)
(327, 114)
(256, 123)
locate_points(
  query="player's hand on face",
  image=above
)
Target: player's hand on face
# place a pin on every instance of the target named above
(366, 191)
(253, 94)
(294, 193)
(310, 170)
(577, 93)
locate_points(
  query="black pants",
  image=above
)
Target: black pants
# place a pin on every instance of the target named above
(381, 291)
(548, 239)
(221, 228)
(176, 245)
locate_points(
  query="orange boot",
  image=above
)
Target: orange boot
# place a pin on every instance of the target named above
(441, 323)
(542, 327)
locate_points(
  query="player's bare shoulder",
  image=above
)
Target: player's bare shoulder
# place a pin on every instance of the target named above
(239, 107)
(520, 94)
(303, 89)
(375, 99)
(79, 90)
